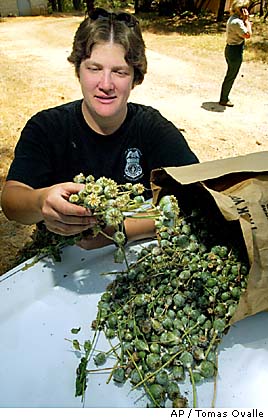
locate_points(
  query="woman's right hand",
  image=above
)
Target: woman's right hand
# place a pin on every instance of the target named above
(59, 215)
(28, 206)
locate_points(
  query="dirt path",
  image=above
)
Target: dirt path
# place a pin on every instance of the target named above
(187, 91)
(183, 86)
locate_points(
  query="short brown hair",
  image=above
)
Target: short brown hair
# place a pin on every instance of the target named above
(99, 30)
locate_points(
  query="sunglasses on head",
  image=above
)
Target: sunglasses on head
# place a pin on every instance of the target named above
(128, 19)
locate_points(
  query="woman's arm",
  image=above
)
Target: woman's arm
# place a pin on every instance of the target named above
(28, 206)
(135, 229)
(247, 23)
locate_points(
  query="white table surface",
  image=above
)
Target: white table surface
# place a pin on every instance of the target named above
(39, 307)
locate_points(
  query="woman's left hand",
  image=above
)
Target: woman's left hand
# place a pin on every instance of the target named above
(99, 241)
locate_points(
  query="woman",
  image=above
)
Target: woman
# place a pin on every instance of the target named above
(100, 135)
(238, 29)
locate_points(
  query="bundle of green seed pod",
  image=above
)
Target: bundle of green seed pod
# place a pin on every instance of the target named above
(109, 203)
(169, 310)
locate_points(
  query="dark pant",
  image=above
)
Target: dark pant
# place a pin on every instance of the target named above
(234, 58)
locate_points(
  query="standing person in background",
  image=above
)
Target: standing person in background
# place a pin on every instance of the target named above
(101, 134)
(238, 29)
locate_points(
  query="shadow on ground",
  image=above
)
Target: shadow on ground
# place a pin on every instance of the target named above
(213, 106)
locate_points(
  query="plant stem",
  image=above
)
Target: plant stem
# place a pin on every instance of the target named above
(215, 383)
(98, 370)
(193, 388)
(111, 374)
(142, 380)
(211, 344)
(158, 370)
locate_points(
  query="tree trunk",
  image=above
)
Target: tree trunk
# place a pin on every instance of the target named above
(53, 5)
(221, 9)
(77, 4)
(136, 6)
(191, 6)
(266, 15)
(261, 8)
(166, 7)
(145, 5)
(89, 6)
(60, 5)
(201, 4)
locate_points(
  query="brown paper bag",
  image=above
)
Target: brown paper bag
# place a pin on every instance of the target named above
(239, 188)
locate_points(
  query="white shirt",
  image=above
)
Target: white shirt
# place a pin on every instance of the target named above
(235, 30)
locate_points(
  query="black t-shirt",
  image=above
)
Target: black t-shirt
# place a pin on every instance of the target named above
(56, 144)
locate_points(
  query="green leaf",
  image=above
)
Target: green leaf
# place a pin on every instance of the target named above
(81, 376)
(75, 330)
(87, 345)
(76, 345)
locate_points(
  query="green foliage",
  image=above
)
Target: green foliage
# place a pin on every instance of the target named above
(113, 4)
(70, 6)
